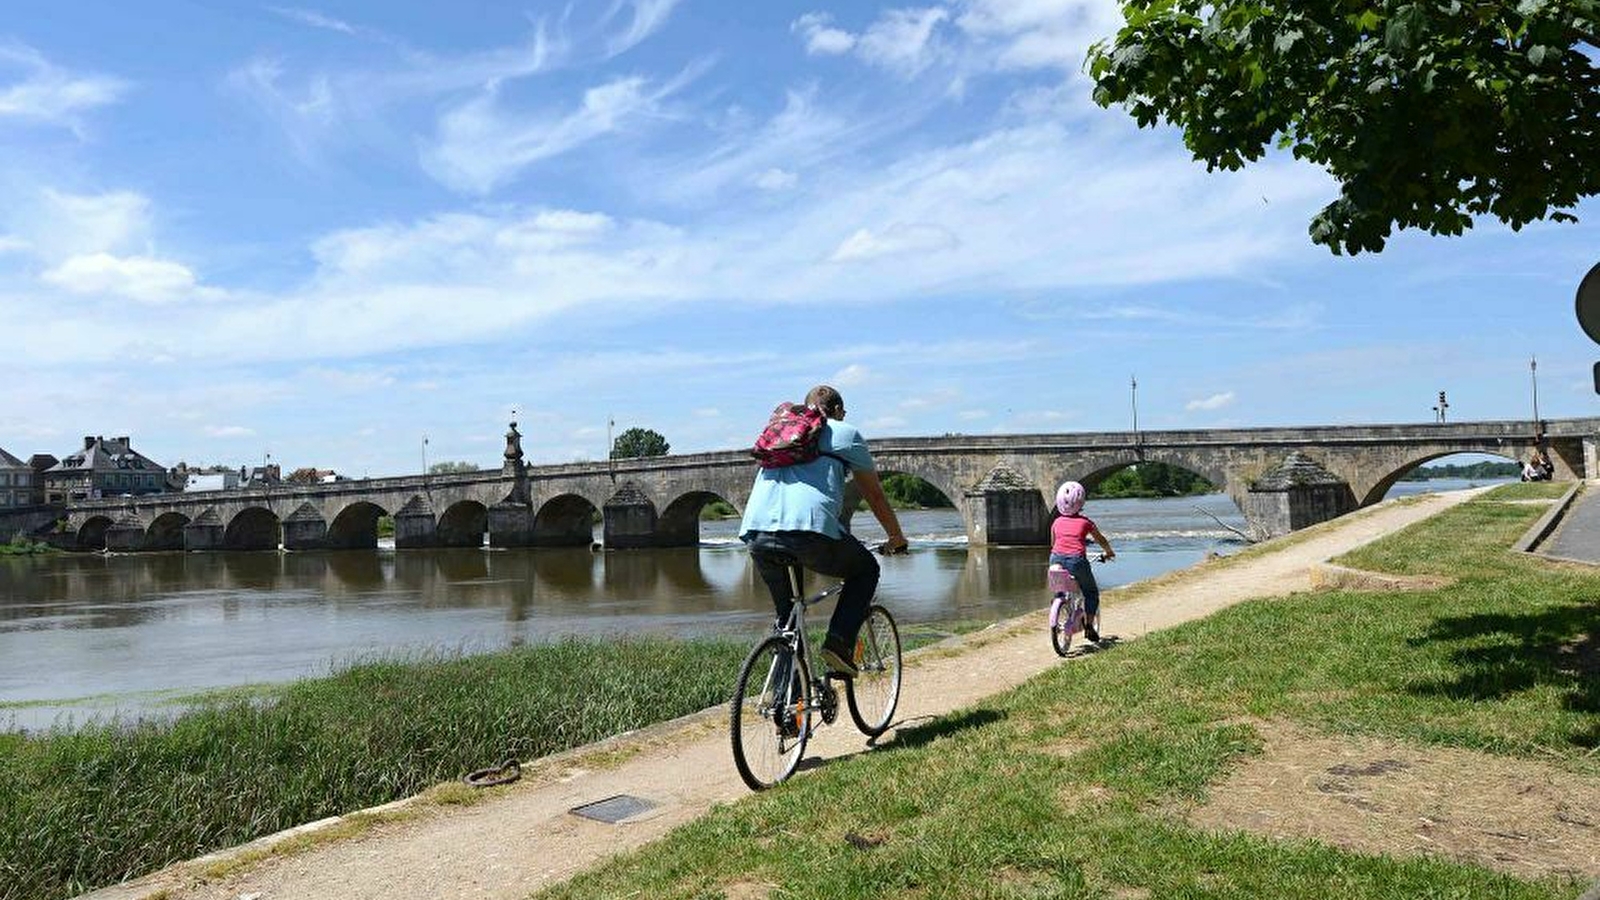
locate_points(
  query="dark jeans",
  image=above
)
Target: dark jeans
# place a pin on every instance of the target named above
(1079, 567)
(775, 551)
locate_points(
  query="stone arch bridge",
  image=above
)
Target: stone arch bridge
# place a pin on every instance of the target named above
(1281, 478)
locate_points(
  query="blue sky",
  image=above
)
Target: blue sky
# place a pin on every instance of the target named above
(328, 231)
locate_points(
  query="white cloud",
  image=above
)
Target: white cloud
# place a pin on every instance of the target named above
(1213, 402)
(1030, 34)
(9, 244)
(648, 18)
(776, 179)
(972, 415)
(902, 40)
(314, 19)
(228, 431)
(481, 144)
(898, 239)
(852, 375)
(820, 37)
(141, 278)
(57, 225)
(41, 91)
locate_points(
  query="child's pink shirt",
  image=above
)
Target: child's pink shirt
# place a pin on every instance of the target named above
(1069, 535)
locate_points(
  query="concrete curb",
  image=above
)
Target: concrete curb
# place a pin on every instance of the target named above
(1329, 577)
(1547, 523)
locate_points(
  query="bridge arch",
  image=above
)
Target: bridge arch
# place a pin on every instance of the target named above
(565, 520)
(166, 532)
(679, 524)
(1383, 485)
(463, 524)
(92, 533)
(252, 528)
(355, 527)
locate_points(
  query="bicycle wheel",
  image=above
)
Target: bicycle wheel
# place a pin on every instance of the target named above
(875, 691)
(771, 715)
(1067, 624)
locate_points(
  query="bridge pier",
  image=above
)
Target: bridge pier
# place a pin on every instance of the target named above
(125, 535)
(1006, 508)
(414, 526)
(511, 524)
(1295, 494)
(305, 530)
(630, 519)
(206, 532)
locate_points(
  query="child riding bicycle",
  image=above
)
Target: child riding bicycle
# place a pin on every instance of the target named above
(1069, 535)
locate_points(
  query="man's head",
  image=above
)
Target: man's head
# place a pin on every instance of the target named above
(826, 399)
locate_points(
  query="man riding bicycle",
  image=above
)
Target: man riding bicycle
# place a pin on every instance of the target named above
(793, 518)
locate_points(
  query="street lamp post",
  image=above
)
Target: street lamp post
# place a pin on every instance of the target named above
(1133, 402)
(1533, 374)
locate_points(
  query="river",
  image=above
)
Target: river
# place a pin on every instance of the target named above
(83, 635)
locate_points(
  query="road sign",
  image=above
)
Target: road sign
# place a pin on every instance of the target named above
(1589, 304)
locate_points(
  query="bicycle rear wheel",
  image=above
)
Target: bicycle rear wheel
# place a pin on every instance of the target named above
(875, 691)
(1067, 624)
(771, 714)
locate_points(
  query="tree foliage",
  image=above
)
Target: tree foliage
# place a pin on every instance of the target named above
(1427, 112)
(907, 491)
(449, 468)
(637, 442)
(1152, 479)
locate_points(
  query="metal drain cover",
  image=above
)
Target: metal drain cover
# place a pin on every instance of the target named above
(614, 810)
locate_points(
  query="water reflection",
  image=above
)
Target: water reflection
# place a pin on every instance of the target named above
(90, 625)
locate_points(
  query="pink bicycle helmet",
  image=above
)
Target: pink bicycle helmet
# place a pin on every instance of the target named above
(1069, 498)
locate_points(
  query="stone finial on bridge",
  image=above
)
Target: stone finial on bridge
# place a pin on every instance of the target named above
(1294, 494)
(515, 469)
(513, 445)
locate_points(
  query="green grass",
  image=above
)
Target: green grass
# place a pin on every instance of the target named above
(114, 800)
(974, 805)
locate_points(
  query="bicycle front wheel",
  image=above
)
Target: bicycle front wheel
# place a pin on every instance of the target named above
(1067, 624)
(771, 714)
(875, 691)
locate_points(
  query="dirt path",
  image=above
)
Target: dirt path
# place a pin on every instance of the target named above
(526, 838)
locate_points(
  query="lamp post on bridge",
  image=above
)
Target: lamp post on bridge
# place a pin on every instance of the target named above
(1133, 402)
(1439, 410)
(1533, 373)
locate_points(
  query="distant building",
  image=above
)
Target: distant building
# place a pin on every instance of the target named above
(210, 478)
(40, 463)
(16, 482)
(226, 480)
(262, 476)
(103, 468)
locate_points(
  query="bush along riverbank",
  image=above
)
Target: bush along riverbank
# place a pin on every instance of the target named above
(1103, 777)
(109, 801)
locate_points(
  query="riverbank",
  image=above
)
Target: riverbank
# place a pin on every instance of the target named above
(683, 768)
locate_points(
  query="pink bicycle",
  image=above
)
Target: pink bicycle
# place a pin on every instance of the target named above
(1067, 613)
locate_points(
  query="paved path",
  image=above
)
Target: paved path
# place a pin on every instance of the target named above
(1578, 535)
(525, 838)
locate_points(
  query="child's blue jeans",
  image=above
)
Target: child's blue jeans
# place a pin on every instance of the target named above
(1079, 567)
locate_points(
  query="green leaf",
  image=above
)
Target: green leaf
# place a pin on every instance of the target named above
(1406, 29)
(1285, 41)
(1368, 20)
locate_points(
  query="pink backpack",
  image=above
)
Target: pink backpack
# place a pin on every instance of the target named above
(792, 436)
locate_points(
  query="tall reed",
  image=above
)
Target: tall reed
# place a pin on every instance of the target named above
(93, 806)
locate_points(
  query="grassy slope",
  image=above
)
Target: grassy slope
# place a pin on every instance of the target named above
(1073, 785)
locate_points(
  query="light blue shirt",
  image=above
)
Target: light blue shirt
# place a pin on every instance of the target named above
(808, 496)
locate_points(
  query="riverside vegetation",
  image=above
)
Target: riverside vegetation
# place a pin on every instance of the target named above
(1079, 783)
(84, 808)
